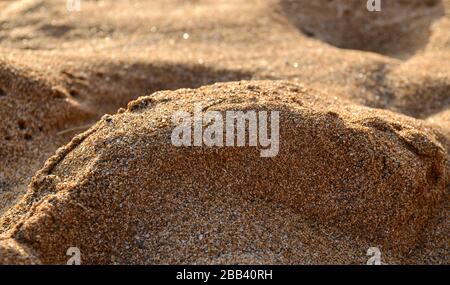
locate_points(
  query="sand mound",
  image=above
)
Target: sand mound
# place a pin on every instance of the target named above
(401, 29)
(418, 87)
(123, 193)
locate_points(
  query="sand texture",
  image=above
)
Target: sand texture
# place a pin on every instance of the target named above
(86, 159)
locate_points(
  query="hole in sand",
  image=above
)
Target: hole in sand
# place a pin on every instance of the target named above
(400, 30)
(22, 125)
(2, 92)
(74, 93)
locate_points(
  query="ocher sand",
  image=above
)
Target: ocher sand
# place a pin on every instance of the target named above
(349, 174)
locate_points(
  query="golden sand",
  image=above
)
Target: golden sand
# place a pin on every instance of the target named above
(364, 144)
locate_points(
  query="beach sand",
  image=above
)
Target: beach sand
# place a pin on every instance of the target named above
(364, 158)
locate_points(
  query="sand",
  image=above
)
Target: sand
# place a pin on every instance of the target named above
(364, 148)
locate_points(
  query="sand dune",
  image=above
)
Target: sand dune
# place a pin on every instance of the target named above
(364, 148)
